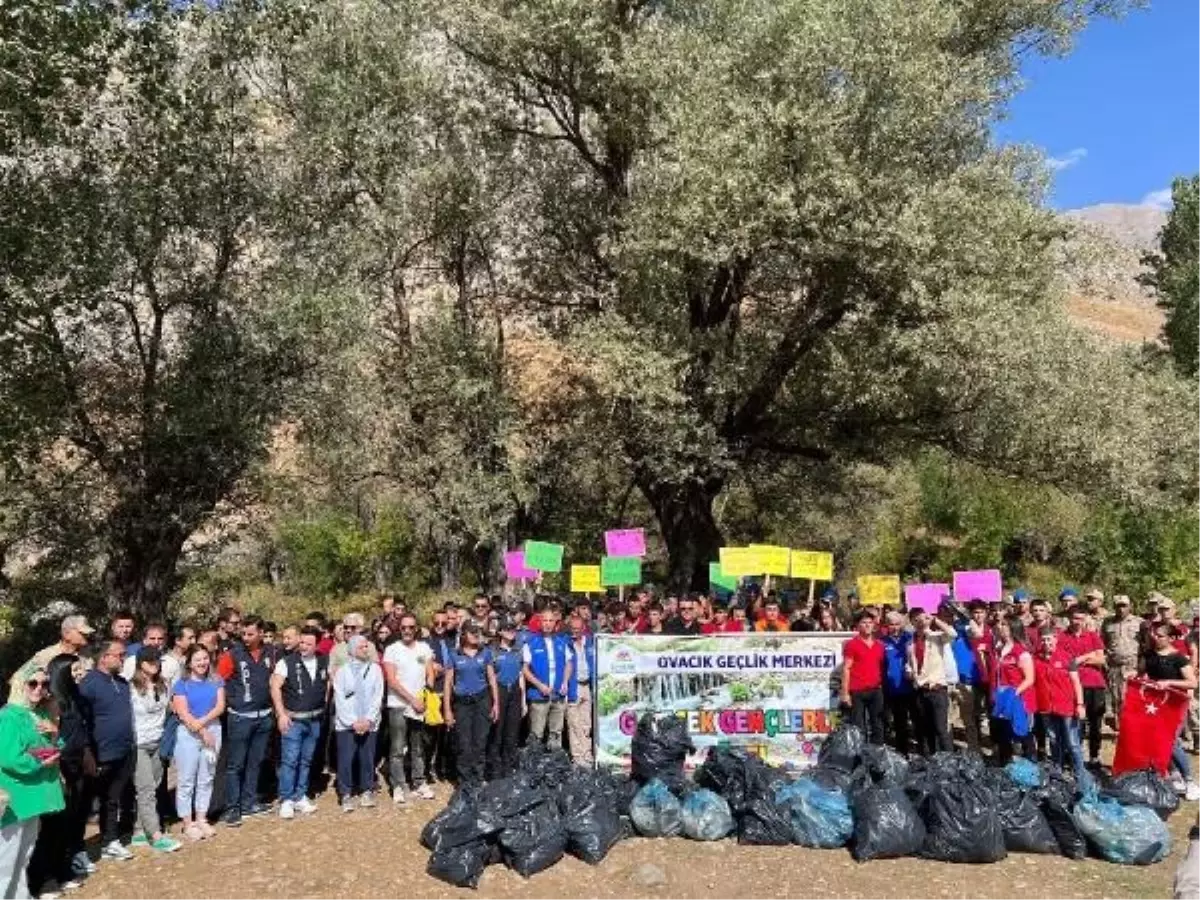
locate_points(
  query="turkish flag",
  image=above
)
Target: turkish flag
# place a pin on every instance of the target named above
(1150, 720)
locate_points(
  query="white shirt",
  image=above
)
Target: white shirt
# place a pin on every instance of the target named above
(168, 666)
(409, 663)
(149, 714)
(583, 670)
(310, 663)
(553, 673)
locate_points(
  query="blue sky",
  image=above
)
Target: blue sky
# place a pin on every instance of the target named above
(1119, 116)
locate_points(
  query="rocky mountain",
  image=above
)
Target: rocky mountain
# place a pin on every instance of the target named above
(1100, 264)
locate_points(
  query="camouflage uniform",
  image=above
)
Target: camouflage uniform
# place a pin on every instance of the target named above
(1122, 646)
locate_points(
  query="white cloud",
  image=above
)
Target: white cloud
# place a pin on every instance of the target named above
(1070, 158)
(1160, 199)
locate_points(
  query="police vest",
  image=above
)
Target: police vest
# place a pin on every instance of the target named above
(539, 664)
(249, 690)
(302, 692)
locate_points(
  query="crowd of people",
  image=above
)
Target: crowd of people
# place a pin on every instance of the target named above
(247, 713)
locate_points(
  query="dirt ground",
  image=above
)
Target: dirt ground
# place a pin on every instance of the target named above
(376, 853)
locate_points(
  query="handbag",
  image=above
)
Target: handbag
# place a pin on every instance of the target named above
(433, 708)
(166, 745)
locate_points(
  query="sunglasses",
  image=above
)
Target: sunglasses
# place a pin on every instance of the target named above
(36, 683)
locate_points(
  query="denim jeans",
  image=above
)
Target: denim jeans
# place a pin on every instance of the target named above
(1064, 739)
(194, 773)
(355, 763)
(247, 746)
(296, 749)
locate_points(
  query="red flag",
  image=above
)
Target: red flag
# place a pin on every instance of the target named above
(1150, 720)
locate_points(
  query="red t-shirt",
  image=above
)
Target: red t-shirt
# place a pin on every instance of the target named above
(1008, 674)
(1076, 645)
(867, 662)
(984, 650)
(1055, 693)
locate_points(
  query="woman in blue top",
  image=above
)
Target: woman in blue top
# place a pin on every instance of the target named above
(199, 701)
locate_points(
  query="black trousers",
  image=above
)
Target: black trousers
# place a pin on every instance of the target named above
(112, 778)
(60, 834)
(1003, 740)
(505, 735)
(472, 723)
(902, 711)
(933, 708)
(866, 711)
(1094, 706)
(248, 739)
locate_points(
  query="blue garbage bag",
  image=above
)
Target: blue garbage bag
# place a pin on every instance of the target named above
(820, 816)
(706, 816)
(1130, 835)
(655, 811)
(1024, 772)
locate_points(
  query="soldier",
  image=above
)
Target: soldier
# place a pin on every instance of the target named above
(1121, 633)
(1094, 602)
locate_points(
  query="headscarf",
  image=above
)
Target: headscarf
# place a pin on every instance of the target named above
(23, 698)
(358, 672)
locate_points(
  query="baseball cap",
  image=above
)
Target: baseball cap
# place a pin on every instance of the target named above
(77, 623)
(1094, 594)
(471, 627)
(1020, 595)
(1121, 600)
(506, 624)
(148, 654)
(1068, 591)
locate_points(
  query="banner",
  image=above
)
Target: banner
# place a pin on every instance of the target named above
(738, 562)
(774, 560)
(514, 566)
(625, 542)
(812, 564)
(879, 590)
(718, 579)
(586, 580)
(774, 694)
(543, 557)
(617, 571)
(982, 584)
(928, 597)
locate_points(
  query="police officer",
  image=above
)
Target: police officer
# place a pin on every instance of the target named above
(246, 669)
(471, 701)
(510, 681)
(299, 693)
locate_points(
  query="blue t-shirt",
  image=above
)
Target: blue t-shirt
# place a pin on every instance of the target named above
(508, 666)
(110, 715)
(201, 695)
(895, 650)
(964, 656)
(470, 672)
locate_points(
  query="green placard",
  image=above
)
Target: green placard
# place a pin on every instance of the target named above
(616, 571)
(716, 578)
(543, 557)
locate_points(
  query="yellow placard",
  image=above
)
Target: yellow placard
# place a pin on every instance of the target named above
(774, 560)
(879, 590)
(815, 565)
(586, 580)
(739, 562)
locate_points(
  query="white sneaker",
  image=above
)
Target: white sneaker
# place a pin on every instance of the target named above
(425, 792)
(1179, 785)
(287, 810)
(367, 800)
(1192, 794)
(82, 865)
(398, 796)
(305, 806)
(115, 850)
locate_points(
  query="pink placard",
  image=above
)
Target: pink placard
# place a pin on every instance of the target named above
(514, 565)
(925, 596)
(981, 584)
(625, 542)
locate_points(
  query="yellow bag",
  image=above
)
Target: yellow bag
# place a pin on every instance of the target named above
(433, 708)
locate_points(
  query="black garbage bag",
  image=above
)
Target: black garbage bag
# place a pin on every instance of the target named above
(885, 766)
(1145, 787)
(738, 776)
(962, 824)
(504, 798)
(656, 812)
(456, 825)
(886, 826)
(543, 767)
(955, 765)
(766, 821)
(1071, 842)
(1025, 828)
(593, 827)
(828, 779)
(660, 746)
(842, 749)
(1058, 785)
(461, 865)
(534, 840)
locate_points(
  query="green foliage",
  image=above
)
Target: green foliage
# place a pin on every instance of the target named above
(1175, 274)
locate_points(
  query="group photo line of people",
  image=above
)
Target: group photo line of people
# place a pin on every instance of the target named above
(147, 727)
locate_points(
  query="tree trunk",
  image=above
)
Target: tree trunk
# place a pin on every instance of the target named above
(449, 565)
(685, 516)
(140, 571)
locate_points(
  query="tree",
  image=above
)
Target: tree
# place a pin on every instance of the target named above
(781, 230)
(146, 351)
(1174, 273)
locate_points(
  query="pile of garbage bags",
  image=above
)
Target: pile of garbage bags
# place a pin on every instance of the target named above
(952, 807)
